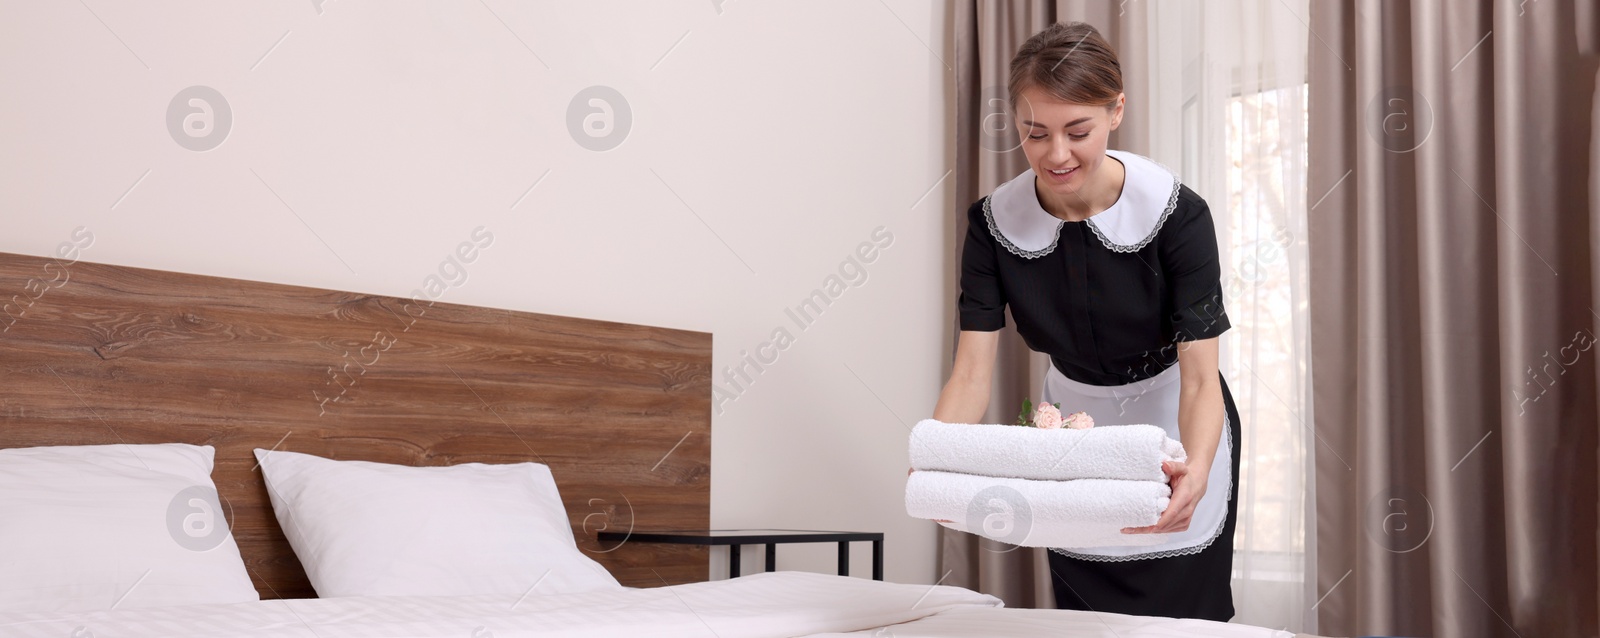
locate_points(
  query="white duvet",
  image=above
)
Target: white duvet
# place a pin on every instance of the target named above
(779, 604)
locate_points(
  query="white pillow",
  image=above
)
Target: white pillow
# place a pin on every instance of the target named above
(85, 528)
(374, 529)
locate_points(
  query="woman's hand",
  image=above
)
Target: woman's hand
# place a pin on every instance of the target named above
(1188, 485)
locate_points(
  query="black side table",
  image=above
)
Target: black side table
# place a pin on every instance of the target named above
(733, 538)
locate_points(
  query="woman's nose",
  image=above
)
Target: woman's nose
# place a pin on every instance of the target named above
(1058, 153)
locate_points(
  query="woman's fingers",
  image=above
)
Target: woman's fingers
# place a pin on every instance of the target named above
(1173, 508)
(1174, 511)
(1180, 508)
(1179, 522)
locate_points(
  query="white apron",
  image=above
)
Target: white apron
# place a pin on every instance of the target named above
(1154, 401)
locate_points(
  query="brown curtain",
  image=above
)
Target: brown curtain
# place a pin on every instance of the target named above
(1455, 249)
(987, 34)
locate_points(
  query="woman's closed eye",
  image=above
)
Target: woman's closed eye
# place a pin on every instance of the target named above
(1076, 137)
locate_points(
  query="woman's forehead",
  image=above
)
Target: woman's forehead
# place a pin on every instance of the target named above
(1048, 117)
(1044, 108)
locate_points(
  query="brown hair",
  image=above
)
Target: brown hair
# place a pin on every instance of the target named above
(1070, 61)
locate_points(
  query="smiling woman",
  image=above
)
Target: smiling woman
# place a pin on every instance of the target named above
(1111, 268)
(1067, 103)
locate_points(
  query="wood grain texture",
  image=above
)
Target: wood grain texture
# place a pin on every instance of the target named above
(96, 354)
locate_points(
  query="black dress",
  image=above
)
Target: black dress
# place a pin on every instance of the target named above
(1109, 299)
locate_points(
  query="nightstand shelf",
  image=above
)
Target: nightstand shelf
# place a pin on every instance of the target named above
(733, 538)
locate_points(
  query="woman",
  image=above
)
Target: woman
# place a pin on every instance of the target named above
(1108, 264)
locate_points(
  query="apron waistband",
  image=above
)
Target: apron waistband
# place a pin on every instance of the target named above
(1161, 379)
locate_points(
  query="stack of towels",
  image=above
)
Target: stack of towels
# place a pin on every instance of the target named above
(1042, 488)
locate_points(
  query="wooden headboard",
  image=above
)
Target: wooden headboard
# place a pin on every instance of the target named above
(97, 354)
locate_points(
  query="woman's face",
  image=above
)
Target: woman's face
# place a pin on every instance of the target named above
(1062, 136)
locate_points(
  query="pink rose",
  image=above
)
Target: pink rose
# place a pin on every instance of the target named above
(1079, 421)
(1047, 417)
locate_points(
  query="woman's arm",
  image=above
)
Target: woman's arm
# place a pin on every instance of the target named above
(966, 395)
(1200, 409)
(1200, 402)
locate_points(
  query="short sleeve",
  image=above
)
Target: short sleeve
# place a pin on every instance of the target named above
(982, 304)
(1188, 253)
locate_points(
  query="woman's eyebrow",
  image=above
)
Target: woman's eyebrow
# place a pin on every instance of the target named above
(1068, 124)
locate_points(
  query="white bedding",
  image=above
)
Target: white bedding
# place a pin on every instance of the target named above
(779, 604)
(972, 621)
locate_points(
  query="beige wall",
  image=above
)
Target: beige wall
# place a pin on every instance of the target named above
(768, 141)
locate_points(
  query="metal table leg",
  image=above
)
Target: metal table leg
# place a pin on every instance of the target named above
(772, 557)
(877, 560)
(733, 561)
(844, 558)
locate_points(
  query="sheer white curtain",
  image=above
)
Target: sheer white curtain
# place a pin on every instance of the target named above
(1228, 111)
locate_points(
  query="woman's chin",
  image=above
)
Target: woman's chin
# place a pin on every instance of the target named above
(1063, 189)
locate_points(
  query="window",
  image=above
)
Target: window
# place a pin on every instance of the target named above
(1264, 362)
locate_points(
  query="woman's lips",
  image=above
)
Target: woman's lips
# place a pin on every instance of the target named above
(1061, 178)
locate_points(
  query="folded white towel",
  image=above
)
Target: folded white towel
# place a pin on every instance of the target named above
(1069, 514)
(1125, 452)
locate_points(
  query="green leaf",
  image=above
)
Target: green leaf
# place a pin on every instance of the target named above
(1026, 416)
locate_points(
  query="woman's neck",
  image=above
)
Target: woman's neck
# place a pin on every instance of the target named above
(1104, 189)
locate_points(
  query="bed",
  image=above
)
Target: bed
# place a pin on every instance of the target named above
(94, 354)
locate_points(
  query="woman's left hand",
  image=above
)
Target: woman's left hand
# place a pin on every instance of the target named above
(1188, 485)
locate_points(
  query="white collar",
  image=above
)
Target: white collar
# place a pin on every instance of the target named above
(1149, 193)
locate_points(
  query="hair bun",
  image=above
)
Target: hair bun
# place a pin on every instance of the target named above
(1069, 60)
